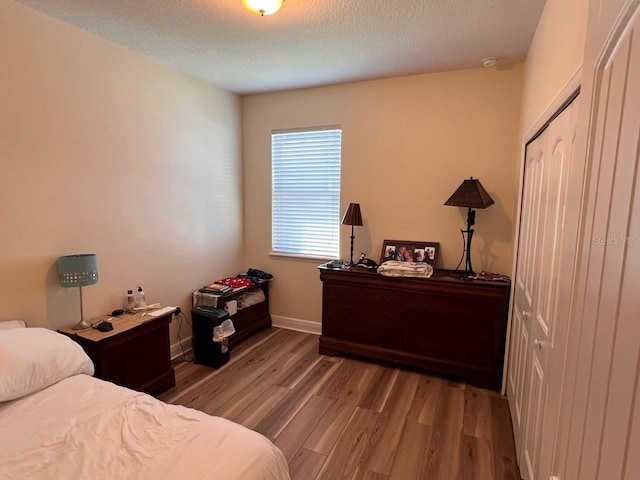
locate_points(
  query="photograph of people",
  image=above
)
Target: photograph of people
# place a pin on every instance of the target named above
(409, 252)
(430, 254)
(400, 253)
(389, 253)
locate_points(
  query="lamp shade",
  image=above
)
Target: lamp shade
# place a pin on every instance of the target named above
(353, 216)
(470, 194)
(78, 270)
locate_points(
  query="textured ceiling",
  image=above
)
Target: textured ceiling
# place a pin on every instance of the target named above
(308, 42)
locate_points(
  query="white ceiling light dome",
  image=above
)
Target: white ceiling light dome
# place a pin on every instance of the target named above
(263, 7)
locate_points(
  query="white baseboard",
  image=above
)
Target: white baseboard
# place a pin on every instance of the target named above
(187, 346)
(306, 326)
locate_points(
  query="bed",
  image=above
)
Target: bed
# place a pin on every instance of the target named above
(59, 422)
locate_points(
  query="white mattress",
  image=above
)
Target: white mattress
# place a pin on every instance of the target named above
(84, 428)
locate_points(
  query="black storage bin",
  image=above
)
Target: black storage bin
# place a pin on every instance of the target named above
(206, 351)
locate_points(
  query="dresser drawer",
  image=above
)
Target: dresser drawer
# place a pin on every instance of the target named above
(463, 330)
(362, 323)
(379, 297)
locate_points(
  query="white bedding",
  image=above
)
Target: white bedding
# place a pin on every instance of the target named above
(84, 428)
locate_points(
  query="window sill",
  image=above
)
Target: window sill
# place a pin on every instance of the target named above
(297, 256)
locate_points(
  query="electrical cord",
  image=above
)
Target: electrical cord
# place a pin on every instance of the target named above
(178, 313)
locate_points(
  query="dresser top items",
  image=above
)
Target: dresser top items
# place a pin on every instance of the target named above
(438, 276)
(120, 323)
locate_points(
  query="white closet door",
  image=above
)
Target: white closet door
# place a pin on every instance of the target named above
(603, 426)
(519, 359)
(546, 260)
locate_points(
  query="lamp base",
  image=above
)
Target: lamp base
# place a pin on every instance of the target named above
(81, 325)
(351, 264)
(467, 236)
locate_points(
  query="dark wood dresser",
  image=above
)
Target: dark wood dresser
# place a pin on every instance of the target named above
(443, 325)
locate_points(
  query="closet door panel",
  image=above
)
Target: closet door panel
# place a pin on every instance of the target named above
(523, 288)
(610, 345)
(546, 259)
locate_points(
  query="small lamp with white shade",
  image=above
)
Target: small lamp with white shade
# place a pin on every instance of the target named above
(78, 271)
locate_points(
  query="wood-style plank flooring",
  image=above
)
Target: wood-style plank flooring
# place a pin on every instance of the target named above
(340, 418)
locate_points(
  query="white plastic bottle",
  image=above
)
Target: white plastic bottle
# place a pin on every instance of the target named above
(129, 301)
(140, 301)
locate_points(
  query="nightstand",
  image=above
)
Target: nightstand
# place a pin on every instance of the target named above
(135, 354)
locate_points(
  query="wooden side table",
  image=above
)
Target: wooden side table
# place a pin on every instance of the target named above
(135, 354)
(247, 321)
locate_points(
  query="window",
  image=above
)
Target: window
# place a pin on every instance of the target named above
(305, 191)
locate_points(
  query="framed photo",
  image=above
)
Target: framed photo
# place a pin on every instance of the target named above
(410, 251)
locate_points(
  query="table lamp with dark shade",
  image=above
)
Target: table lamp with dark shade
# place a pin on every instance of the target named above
(78, 271)
(470, 194)
(352, 217)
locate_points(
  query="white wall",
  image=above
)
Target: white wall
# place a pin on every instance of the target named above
(105, 151)
(554, 56)
(408, 143)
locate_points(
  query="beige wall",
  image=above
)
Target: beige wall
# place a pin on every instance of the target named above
(555, 54)
(407, 144)
(105, 151)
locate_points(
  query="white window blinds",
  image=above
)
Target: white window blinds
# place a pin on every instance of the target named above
(306, 191)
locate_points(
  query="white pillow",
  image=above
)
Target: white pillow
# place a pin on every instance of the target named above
(7, 324)
(34, 358)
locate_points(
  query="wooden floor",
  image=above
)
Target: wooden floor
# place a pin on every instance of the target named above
(340, 418)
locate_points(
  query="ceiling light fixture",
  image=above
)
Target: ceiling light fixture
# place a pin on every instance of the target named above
(263, 7)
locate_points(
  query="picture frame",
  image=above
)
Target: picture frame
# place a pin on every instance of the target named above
(410, 251)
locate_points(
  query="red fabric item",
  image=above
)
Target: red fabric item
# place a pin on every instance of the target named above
(236, 282)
